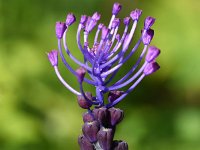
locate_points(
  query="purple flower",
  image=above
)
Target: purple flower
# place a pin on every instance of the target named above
(104, 58)
(53, 57)
(116, 8)
(60, 29)
(70, 19)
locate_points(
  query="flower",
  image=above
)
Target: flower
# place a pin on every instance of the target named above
(104, 58)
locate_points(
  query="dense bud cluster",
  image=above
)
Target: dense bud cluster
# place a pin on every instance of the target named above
(99, 130)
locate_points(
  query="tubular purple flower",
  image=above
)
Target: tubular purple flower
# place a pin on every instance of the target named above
(151, 68)
(147, 36)
(115, 22)
(70, 19)
(84, 143)
(105, 32)
(127, 20)
(53, 57)
(116, 8)
(152, 53)
(90, 130)
(135, 14)
(80, 73)
(149, 21)
(96, 16)
(60, 29)
(100, 26)
(83, 19)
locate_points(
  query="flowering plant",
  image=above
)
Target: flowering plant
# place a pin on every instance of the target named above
(102, 61)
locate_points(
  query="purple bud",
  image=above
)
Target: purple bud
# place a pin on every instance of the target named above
(101, 114)
(127, 20)
(105, 138)
(84, 143)
(115, 22)
(152, 53)
(113, 95)
(83, 103)
(116, 8)
(135, 14)
(149, 21)
(105, 32)
(120, 145)
(118, 37)
(90, 130)
(147, 36)
(91, 23)
(80, 73)
(116, 115)
(53, 57)
(151, 68)
(100, 26)
(88, 117)
(83, 19)
(60, 29)
(96, 16)
(70, 19)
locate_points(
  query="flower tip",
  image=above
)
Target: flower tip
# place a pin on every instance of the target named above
(80, 73)
(70, 19)
(151, 68)
(115, 22)
(149, 21)
(127, 20)
(100, 26)
(105, 32)
(60, 29)
(96, 16)
(116, 8)
(152, 53)
(147, 36)
(53, 57)
(83, 19)
(135, 14)
(82, 102)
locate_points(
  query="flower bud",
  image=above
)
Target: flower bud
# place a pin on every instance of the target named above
(116, 8)
(84, 143)
(60, 29)
(105, 138)
(120, 145)
(152, 53)
(149, 21)
(116, 115)
(53, 57)
(83, 19)
(115, 22)
(147, 36)
(101, 115)
(83, 103)
(127, 20)
(70, 19)
(135, 14)
(88, 117)
(90, 130)
(105, 32)
(151, 68)
(113, 95)
(96, 16)
(100, 26)
(80, 73)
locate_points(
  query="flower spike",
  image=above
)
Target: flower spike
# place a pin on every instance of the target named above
(102, 60)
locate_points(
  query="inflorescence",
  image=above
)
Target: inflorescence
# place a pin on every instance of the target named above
(102, 61)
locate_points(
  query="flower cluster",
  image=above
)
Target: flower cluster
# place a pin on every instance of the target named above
(102, 61)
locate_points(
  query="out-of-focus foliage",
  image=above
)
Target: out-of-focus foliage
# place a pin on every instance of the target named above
(37, 112)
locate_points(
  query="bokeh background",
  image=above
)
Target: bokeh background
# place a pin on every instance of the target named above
(38, 113)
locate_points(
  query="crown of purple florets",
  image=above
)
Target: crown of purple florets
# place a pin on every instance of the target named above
(104, 58)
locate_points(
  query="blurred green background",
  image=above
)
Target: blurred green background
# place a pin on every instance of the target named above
(38, 113)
